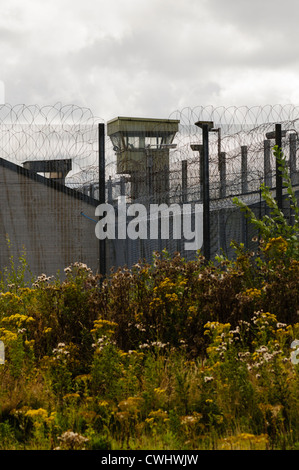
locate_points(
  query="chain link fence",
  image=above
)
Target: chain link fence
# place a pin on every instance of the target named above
(146, 161)
(240, 160)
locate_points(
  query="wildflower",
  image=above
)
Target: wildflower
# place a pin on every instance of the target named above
(159, 391)
(139, 327)
(243, 355)
(276, 245)
(253, 293)
(208, 379)
(103, 403)
(236, 330)
(281, 325)
(71, 396)
(159, 344)
(159, 415)
(192, 309)
(36, 414)
(191, 419)
(166, 283)
(172, 297)
(47, 330)
(262, 349)
(43, 278)
(72, 440)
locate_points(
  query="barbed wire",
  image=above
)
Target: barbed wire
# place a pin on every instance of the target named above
(239, 127)
(32, 132)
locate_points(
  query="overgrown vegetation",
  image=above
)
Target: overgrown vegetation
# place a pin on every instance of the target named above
(167, 355)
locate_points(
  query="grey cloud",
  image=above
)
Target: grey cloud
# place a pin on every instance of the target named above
(11, 38)
(155, 57)
(265, 15)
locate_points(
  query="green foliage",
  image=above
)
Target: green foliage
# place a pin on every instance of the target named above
(17, 274)
(276, 225)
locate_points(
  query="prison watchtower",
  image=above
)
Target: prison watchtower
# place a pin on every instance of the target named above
(142, 149)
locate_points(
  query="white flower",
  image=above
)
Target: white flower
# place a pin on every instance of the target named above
(281, 325)
(208, 379)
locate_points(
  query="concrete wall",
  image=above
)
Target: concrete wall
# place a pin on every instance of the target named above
(46, 221)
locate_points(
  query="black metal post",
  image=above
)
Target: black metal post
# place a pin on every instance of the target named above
(244, 179)
(278, 172)
(149, 169)
(184, 181)
(222, 171)
(201, 173)
(102, 194)
(206, 192)
(267, 164)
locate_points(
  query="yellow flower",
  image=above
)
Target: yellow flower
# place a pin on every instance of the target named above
(149, 420)
(7, 336)
(47, 330)
(159, 415)
(253, 293)
(172, 297)
(104, 323)
(103, 403)
(40, 413)
(159, 391)
(51, 418)
(71, 396)
(166, 283)
(192, 309)
(277, 244)
(17, 319)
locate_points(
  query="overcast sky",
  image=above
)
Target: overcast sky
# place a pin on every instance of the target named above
(149, 57)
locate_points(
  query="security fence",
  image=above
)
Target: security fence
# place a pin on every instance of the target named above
(240, 146)
(51, 179)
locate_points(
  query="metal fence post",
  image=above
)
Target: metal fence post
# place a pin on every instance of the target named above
(222, 171)
(184, 181)
(267, 164)
(244, 178)
(206, 192)
(149, 176)
(278, 171)
(102, 194)
(109, 191)
(222, 194)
